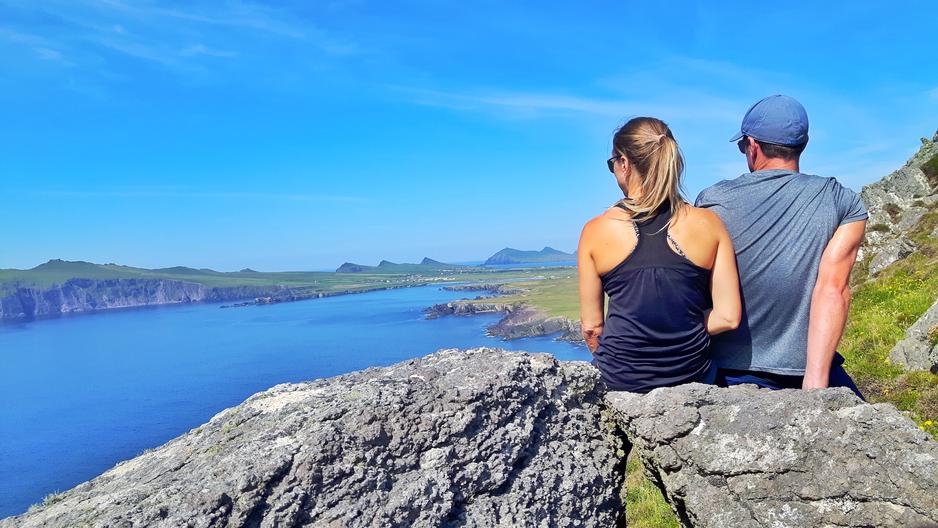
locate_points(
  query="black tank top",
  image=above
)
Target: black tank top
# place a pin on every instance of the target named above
(654, 334)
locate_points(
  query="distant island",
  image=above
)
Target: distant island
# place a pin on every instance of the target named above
(385, 266)
(518, 256)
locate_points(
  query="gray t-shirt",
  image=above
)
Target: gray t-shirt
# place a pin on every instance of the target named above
(780, 223)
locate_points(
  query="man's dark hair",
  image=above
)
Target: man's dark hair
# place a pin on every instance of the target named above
(781, 151)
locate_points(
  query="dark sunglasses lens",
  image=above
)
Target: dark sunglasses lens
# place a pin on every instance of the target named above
(742, 145)
(611, 164)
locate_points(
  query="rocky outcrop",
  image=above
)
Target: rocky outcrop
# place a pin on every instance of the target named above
(747, 457)
(919, 349)
(486, 437)
(890, 253)
(460, 438)
(529, 322)
(520, 320)
(494, 289)
(87, 295)
(896, 204)
(466, 308)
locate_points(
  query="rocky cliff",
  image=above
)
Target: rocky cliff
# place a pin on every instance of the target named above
(519, 320)
(84, 295)
(487, 437)
(897, 204)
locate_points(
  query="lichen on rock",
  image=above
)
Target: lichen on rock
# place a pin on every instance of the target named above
(748, 457)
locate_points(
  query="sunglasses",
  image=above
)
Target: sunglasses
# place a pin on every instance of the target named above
(611, 164)
(742, 144)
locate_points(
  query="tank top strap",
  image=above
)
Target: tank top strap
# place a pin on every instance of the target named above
(657, 224)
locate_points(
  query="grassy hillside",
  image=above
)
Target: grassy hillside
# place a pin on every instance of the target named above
(881, 311)
(59, 271)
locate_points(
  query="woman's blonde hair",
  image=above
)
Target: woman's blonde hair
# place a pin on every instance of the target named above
(653, 153)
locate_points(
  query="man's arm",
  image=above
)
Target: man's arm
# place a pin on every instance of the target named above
(830, 302)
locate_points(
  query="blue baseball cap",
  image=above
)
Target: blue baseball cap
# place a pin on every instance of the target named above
(777, 119)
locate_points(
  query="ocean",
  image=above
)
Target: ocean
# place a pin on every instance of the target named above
(81, 393)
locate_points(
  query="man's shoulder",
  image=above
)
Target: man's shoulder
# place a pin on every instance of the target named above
(715, 193)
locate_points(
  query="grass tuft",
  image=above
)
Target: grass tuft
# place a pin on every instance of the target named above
(645, 506)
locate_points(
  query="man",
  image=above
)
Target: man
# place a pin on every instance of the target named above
(796, 239)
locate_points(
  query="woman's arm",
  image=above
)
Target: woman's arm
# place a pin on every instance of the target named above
(724, 284)
(591, 292)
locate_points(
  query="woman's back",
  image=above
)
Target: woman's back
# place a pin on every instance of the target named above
(662, 273)
(655, 333)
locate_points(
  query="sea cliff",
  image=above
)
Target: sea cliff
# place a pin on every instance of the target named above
(85, 295)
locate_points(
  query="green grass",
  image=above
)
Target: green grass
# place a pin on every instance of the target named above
(881, 311)
(555, 295)
(645, 506)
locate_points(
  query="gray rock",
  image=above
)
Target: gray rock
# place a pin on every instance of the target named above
(466, 308)
(892, 252)
(910, 218)
(905, 184)
(520, 320)
(747, 457)
(482, 437)
(529, 322)
(917, 351)
(492, 288)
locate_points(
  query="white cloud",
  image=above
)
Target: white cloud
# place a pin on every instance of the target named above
(540, 104)
(48, 54)
(200, 49)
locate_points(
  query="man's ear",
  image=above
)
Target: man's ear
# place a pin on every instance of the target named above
(754, 148)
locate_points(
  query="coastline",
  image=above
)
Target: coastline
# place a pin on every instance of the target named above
(261, 296)
(520, 319)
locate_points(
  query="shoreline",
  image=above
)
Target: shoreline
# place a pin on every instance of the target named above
(520, 320)
(258, 301)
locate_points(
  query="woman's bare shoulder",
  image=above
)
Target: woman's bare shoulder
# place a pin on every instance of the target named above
(701, 225)
(606, 219)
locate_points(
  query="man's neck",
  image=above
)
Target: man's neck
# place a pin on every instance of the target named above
(776, 163)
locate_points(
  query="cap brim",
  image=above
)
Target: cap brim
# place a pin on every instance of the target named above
(737, 137)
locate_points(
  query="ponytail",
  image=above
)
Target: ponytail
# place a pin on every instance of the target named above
(654, 155)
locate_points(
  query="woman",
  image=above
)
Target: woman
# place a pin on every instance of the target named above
(668, 268)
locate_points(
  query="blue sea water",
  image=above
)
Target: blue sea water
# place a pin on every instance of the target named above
(81, 393)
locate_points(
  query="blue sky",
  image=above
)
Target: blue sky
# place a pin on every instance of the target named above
(298, 135)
